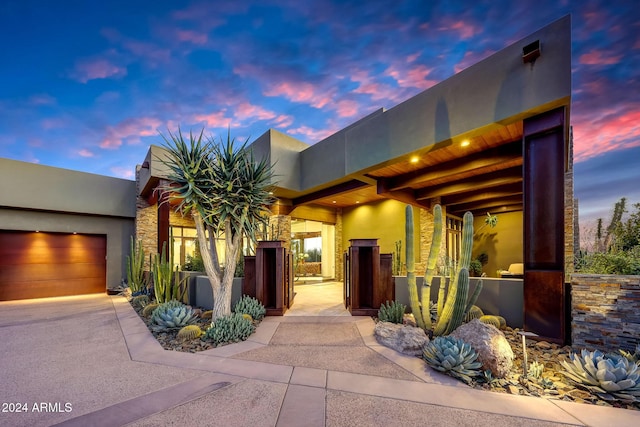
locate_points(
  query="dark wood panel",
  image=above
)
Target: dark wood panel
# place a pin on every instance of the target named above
(544, 304)
(39, 265)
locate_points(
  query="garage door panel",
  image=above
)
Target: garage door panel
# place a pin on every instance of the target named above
(38, 272)
(38, 265)
(44, 289)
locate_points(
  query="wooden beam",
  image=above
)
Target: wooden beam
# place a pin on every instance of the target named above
(508, 176)
(503, 191)
(498, 158)
(488, 204)
(344, 187)
(405, 196)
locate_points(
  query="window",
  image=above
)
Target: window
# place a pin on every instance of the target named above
(454, 240)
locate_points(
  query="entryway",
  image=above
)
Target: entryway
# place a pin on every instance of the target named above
(318, 299)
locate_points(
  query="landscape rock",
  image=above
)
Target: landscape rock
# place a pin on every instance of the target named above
(494, 351)
(402, 338)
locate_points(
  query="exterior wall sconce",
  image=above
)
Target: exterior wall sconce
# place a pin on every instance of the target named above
(531, 52)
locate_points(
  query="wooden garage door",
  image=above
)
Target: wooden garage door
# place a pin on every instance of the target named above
(38, 265)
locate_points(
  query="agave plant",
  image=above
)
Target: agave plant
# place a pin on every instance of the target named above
(392, 312)
(172, 314)
(453, 357)
(610, 376)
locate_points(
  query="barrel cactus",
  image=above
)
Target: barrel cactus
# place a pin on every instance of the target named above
(172, 314)
(149, 309)
(610, 376)
(453, 357)
(475, 312)
(140, 301)
(392, 312)
(190, 332)
(497, 321)
(251, 306)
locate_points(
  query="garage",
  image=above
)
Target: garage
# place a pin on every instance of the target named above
(40, 264)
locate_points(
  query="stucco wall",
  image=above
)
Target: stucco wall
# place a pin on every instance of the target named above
(382, 220)
(37, 197)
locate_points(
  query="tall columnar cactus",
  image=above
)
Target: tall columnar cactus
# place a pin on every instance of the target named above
(453, 305)
(136, 279)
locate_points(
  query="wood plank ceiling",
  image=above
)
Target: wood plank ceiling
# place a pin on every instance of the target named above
(482, 176)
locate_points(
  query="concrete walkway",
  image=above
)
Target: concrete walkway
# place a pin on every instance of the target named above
(90, 361)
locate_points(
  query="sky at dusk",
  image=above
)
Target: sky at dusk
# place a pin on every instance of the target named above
(88, 85)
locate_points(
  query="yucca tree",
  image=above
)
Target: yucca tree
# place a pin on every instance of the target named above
(227, 191)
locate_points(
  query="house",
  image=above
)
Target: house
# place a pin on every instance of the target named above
(494, 138)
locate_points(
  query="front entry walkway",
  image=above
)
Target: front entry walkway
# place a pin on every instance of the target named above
(90, 360)
(318, 299)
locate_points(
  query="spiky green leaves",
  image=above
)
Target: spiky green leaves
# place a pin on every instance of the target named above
(172, 314)
(453, 357)
(250, 306)
(228, 329)
(610, 376)
(224, 183)
(392, 312)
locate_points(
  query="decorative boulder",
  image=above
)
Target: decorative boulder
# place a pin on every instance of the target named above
(494, 351)
(403, 338)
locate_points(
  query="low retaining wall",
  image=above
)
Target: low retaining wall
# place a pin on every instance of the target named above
(204, 293)
(605, 311)
(503, 297)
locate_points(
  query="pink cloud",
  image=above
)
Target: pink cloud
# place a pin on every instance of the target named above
(213, 120)
(283, 121)
(466, 30)
(121, 172)
(130, 130)
(248, 111)
(596, 57)
(85, 153)
(192, 36)
(614, 129)
(303, 92)
(347, 108)
(311, 134)
(412, 58)
(413, 77)
(377, 91)
(52, 123)
(470, 58)
(99, 68)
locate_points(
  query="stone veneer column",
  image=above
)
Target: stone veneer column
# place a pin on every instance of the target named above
(426, 236)
(281, 225)
(339, 249)
(146, 224)
(569, 220)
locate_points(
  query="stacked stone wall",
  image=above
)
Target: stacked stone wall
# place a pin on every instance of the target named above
(605, 311)
(339, 248)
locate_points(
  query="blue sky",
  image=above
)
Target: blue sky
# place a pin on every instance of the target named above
(88, 85)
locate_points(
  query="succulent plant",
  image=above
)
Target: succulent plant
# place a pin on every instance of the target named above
(453, 357)
(633, 358)
(453, 303)
(140, 301)
(228, 329)
(497, 321)
(190, 332)
(172, 314)
(149, 308)
(392, 312)
(610, 376)
(207, 314)
(535, 370)
(475, 312)
(251, 306)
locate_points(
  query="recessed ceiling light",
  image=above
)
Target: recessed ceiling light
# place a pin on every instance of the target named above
(465, 143)
(333, 201)
(357, 202)
(414, 159)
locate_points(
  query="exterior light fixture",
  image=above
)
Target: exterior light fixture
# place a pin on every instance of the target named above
(525, 362)
(531, 52)
(465, 143)
(414, 159)
(333, 201)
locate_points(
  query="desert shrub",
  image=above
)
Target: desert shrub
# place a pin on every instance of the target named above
(620, 262)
